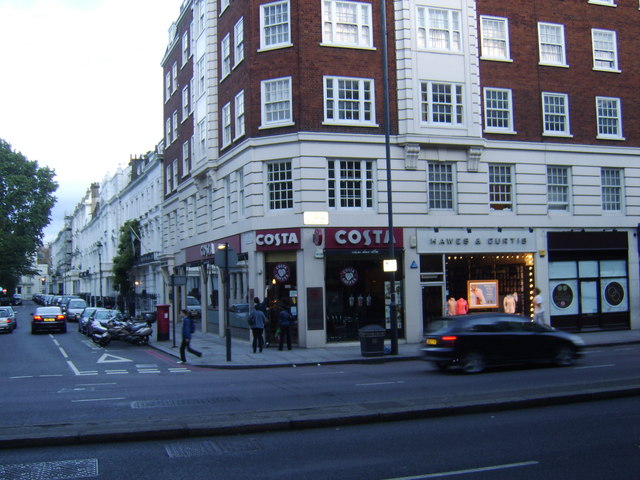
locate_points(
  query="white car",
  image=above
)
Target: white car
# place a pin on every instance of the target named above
(7, 319)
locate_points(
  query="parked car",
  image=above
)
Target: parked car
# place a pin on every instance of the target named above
(239, 315)
(193, 307)
(17, 299)
(48, 318)
(85, 319)
(102, 316)
(7, 320)
(74, 308)
(472, 342)
(64, 302)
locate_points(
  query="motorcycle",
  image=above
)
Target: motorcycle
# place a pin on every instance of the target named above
(137, 333)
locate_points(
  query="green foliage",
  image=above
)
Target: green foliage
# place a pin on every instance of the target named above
(26, 200)
(128, 253)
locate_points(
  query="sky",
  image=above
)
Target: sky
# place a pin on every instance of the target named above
(81, 86)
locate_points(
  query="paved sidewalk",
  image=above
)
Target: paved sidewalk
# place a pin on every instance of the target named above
(214, 351)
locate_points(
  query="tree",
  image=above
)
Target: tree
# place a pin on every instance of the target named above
(26, 200)
(128, 253)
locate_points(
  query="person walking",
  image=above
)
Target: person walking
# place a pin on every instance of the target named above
(538, 309)
(188, 328)
(257, 320)
(262, 306)
(284, 324)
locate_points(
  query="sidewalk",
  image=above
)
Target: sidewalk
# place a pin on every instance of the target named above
(214, 351)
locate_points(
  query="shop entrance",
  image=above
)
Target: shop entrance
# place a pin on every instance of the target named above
(432, 301)
(281, 291)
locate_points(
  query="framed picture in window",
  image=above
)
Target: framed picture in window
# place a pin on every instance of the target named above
(482, 293)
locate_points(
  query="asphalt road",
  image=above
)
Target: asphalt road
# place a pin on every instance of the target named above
(586, 441)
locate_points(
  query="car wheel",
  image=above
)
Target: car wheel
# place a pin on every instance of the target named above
(473, 362)
(442, 366)
(563, 356)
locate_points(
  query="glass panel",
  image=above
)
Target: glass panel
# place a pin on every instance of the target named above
(588, 269)
(613, 268)
(614, 295)
(562, 270)
(589, 297)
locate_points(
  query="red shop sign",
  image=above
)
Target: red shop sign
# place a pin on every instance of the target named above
(363, 238)
(283, 239)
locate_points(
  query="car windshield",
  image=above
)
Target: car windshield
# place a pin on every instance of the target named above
(77, 304)
(440, 324)
(4, 312)
(48, 311)
(191, 301)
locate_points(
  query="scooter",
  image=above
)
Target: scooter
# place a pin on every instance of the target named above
(137, 333)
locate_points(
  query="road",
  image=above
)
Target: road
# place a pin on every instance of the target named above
(586, 441)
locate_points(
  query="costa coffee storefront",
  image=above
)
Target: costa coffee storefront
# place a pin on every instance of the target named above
(357, 289)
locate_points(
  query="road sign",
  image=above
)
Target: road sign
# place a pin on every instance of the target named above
(226, 258)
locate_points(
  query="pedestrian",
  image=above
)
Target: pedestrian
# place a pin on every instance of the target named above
(188, 328)
(538, 309)
(284, 324)
(257, 320)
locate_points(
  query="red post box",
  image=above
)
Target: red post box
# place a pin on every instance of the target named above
(162, 322)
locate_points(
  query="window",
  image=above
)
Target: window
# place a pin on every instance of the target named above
(202, 138)
(611, 179)
(174, 119)
(241, 192)
(185, 103)
(239, 112)
(238, 42)
(350, 184)
(167, 132)
(500, 187)
(442, 103)
(440, 186)
(498, 113)
(348, 101)
(603, 2)
(276, 102)
(225, 59)
(167, 86)
(551, 44)
(227, 198)
(185, 47)
(605, 50)
(274, 25)
(202, 15)
(347, 23)
(494, 33)
(226, 125)
(555, 111)
(439, 29)
(168, 179)
(175, 174)
(280, 185)
(224, 4)
(201, 76)
(174, 77)
(609, 118)
(558, 188)
(185, 158)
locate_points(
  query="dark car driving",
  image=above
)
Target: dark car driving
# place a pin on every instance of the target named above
(472, 342)
(48, 318)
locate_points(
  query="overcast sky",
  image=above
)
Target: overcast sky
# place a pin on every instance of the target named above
(81, 86)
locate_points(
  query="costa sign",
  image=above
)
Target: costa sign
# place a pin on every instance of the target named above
(285, 239)
(369, 238)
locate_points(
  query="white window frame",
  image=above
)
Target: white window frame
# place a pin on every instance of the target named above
(226, 125)
(441, 186)
(185, 48)
(494, 41)
(185, 158)
(349, 101)
(501, 187)
(174, 77)
(167, 131)
(174, 121)
(609, 118)
(276, 96)
(202, 76)
(611, 180)
(176, 174)
(606, 3)
(347, 29)
(238, 111)
(167, 86)
(227, 198)
(556, 113)
(430, 98)
(202, 138)
(224, 4)
(433, 30)
(186, 103)
(351, 184)
(558, 188)
(279, 185)
(238, 42)
(168, 177)
(605, 50)
(549, 41)
(503, 108)
(271, 21)
(241, 193)
(225, 56)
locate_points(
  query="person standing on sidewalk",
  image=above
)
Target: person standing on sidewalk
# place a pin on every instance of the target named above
(284, 322)
(257, 320)
(188, 328)
(538, 309)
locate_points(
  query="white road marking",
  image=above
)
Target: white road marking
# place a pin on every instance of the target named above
(109, 358)
(376, 383)
(116, 372)
(595, 366)
(97, 399)
(470, 470)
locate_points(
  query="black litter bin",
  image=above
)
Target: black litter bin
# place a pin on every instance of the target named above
(372, 340)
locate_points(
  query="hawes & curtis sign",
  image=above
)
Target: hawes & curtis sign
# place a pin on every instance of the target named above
(478, 240)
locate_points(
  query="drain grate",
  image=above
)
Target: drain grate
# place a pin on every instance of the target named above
(182, 403)
(212, 447)
(62, 470)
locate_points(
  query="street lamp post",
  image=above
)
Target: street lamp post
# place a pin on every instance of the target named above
(99, 245)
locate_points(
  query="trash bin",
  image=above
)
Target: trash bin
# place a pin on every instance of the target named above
(162, 316)
(372, 340)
